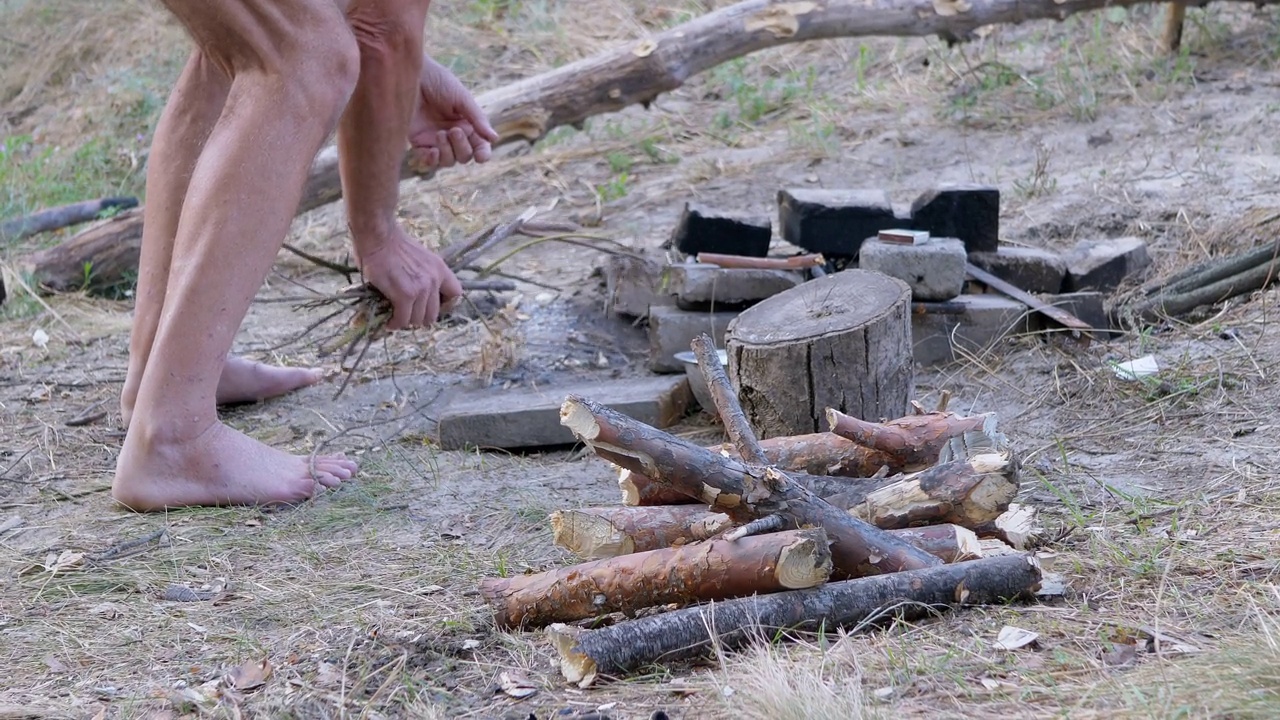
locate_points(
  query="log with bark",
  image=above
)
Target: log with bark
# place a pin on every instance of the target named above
(968, 493)
(743, 492)
(603, 532)
(796, 262)
(97, 259)
(913, 442)
(1016, 526)
(691, 573)
(842, 341)
(638, 490)
(614, 651)
(600, 532)
(638, 71)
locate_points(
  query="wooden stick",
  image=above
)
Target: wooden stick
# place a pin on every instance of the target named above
(797, 262)
(701, 571)
(912, 442)
(950, 543)
(63, 216)
(726, 402)
(743, 492)
(617, 650)
(600, 532)
(638, 490)
(1079, 328)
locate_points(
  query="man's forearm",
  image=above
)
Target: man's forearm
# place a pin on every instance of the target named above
(373, 131)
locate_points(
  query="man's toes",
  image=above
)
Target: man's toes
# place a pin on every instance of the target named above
(336, 465)
(327, 480)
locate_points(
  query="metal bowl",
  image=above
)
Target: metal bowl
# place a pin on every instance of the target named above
(697, 383)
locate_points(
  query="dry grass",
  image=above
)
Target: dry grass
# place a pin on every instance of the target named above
(1160, 496)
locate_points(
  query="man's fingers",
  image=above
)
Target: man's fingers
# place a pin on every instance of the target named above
(483, 151)
(432, 310)
(476, 116)
(401, 315)
(447, 158)
(421, 308)
(461, 148)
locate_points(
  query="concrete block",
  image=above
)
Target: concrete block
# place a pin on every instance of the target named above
(671, 330)
(834, 222)
(702, 230)
(530, 417)
(633, 285)
(1031, 269)
(699, 286)
(968, 324)
(1104, 264)
(934, 270)
(968, 212)
(1088, 306)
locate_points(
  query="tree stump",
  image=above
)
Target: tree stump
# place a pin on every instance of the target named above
(841, 341)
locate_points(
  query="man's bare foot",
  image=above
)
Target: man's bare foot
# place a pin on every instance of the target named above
(219, 467)
(242, 381)
(245, 381)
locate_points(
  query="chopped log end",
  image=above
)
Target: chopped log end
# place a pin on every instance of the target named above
(1016, 526)
(579, 419)
(993, 494)
(575, 666)
(630, 493)
(804, 564)
(968, 545)
(589, 536)
(995, 547)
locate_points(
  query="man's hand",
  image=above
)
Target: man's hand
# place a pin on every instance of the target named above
(448, 127)
(415, 280)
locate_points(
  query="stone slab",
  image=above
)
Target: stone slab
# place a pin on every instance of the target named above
(699, 286)
(701, 229)
(1104, 264)
(672, 330)
(527, 417)
(834, 222)
(1032, 269)
(1089, 306)
(934, 270)
(971, 324)
(968, 212)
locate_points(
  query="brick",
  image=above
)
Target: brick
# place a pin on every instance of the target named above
(1031, 269)
(699, 286)
(672, 330)
(702, 230)
(834, 222)
(529, 417)
(633, 285)
(971, 323)
(1104, 264)
(1089, 306)
(968, 212)
(934, 270)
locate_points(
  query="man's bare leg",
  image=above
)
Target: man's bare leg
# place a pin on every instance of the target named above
(188, 118)
(292, 64)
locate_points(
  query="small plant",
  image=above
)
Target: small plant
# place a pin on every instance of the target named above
(619, 162)
(615, 188)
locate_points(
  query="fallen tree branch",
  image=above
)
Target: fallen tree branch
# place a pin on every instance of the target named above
(743, 492)
(1222, 280)
(969, 493)
(702, 571)
(798, 262)
(852, 604)
(726, 401)
(63, 216)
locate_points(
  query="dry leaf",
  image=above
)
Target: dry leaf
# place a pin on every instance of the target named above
(990, 683)
(328, 674)
(1120, 655)
(251, 675)
(515, 684)
(110, 611)
(1012, 638)
(67, 560)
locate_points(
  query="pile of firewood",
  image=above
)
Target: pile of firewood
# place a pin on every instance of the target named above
(715, 546)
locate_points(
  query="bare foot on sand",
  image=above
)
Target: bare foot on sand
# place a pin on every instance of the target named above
(218, 467)
(246, 381)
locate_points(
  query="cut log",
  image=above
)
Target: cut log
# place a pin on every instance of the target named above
(741, 436)
(950, 543)
(625, 647)
(701, 571)
(63, 216)
(638, 490)
(601, 532)
(97, 259)
(969, 493)
(913, 442)
(842, 341)
(1015, 526)
(797, 262)
(741, 491)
